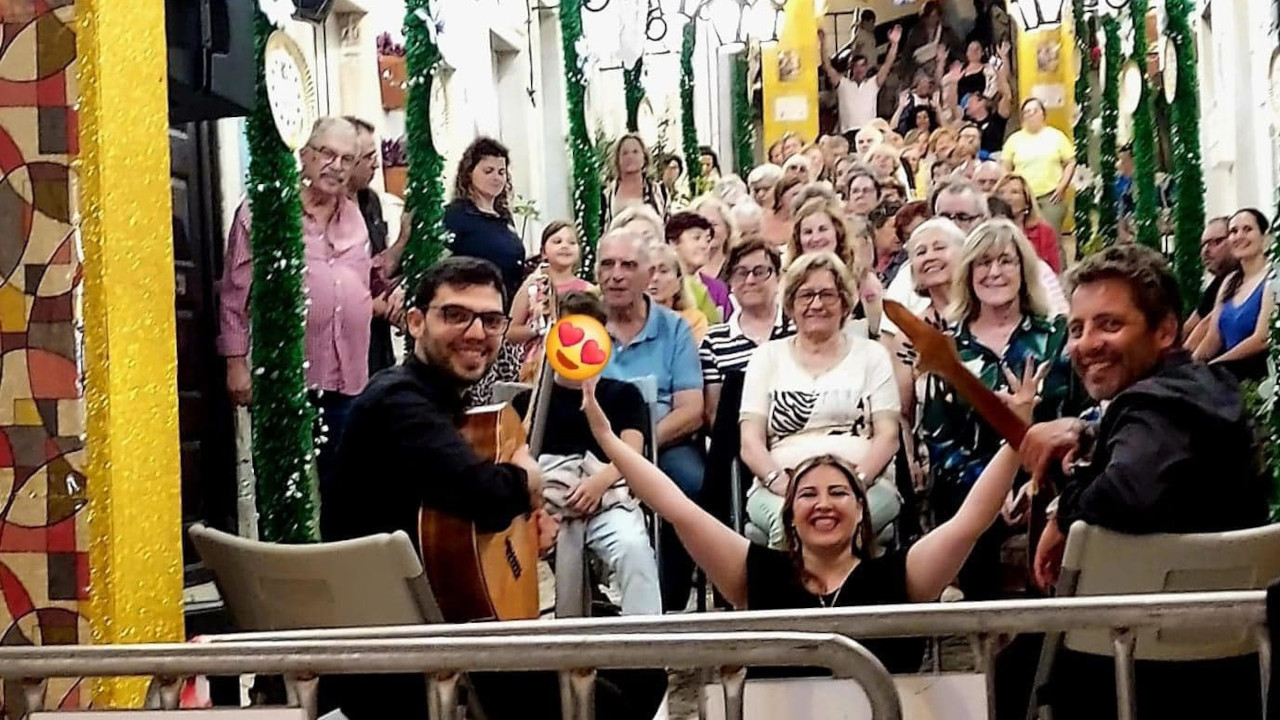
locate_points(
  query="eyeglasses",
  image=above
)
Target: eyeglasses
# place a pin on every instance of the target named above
(459, 317)
(759, 272)
(960, 218)
(1213, 241)
(853, 192)
(1002, 262)
(370, 158)
(805, 298)
(331, 156)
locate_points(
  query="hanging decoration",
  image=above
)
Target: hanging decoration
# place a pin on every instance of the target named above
(633, 93)
(688, 126)
(1107, 127)
(1188, 175)
(424, 199)
(586, 167)
(1146, 195)
(283, 446)
(743, 122)
(1086, 45)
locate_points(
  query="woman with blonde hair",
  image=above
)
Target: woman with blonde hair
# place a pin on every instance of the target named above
(724, 233)
(631, 185)
(669, 289)
(820, 225)
(1014, 190)
(999, 316)
(886, 161)
(643, 221)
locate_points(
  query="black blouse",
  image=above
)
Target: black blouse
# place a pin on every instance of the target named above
(488, 237)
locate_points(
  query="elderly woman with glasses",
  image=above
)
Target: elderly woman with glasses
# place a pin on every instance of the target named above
(823, 391)
(999, 317)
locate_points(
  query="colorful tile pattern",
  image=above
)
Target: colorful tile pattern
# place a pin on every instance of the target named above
(43, 529)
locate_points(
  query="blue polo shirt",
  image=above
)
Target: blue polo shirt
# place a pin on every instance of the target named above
(664, 348)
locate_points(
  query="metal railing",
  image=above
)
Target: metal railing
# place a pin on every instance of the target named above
(442, 660)
(1122, 615)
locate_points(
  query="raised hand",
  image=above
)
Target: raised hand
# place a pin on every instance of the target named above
(596, 419)
(895, 34)
(1024, 392)
(1004, 49)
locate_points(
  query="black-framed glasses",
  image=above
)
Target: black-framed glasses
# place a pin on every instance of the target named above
(330, 156)
(462, 318)
(805, 298)
(960, 218)
(759, 272)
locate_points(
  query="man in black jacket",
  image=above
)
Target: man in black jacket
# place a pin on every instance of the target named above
(1174, 452)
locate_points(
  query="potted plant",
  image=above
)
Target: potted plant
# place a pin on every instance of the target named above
(395, 166)
(391, 72)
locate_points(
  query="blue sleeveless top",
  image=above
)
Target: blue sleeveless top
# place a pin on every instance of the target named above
(1237, 322)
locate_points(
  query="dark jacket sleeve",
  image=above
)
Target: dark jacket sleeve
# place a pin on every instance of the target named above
(1132, 492)
(450, 476)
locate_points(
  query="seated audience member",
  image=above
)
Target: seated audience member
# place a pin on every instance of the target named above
(1000, 322)
(867, 138)
(643, 221)
(831, 559)
(650, 340)
(402, 451)
(730, 190)
(893, 192)
(862, 193)
(1172, 425)
(799, 166)
(821, 226)
(1218, 261)
(723, 236)
(580, 482)
(817, 162)
(749, 219)
(754, 274)
(889, 252)
(833, 147)
(784, 208)
(1238, 328)
(689, 234)
(988, 175)
(820, 392)
(1013, 189)
(670, 289)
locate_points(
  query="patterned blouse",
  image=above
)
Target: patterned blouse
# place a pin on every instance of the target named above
(960, 442)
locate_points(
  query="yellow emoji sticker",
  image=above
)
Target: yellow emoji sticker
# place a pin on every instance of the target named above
(578, 347)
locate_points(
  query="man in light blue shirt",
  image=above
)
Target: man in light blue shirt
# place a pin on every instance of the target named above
(651, 340)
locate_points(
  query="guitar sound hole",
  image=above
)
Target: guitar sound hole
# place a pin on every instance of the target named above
(512, 560)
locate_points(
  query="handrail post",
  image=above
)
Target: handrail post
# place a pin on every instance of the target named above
(302, 691)
(1123, 641)
(33, 692)
(1264, 663)
(582, 684)
(733, 681)
(984, 656)
(442, 696)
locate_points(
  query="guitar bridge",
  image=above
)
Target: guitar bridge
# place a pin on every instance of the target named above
(512, 559)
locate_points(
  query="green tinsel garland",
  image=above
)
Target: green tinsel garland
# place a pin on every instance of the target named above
(1085, 197)
(586, 169)
(1146, 196)
(1108, 203)
(1188, 174)
(425, 195)
(283, 419)
(633, 93)
(688, 126)
(744, 128)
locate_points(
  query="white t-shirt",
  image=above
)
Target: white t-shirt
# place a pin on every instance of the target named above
(807, 415)
(858, 102)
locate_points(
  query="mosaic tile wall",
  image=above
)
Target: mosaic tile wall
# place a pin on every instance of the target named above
(43, 528)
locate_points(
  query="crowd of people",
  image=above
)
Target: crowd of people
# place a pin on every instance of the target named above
(748, 325)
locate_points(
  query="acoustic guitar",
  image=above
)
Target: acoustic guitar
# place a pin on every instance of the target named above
(488, 576)
(937, 354)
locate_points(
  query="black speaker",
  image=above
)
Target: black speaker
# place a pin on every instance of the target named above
(312, 11)
(211, 65)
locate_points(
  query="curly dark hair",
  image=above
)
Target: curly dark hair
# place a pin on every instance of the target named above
(1154, 287)
(479, 149)
(864, 537)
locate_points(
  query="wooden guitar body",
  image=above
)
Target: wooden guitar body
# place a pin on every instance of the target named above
(483, 576)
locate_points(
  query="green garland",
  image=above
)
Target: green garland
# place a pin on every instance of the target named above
(1108, 203)
(586, 169)
(1085, 198)
(424, 199)
(1146, 196)
(1188, 175)
(633, 93)
(283, 419)
(688, 126)
(744, 129)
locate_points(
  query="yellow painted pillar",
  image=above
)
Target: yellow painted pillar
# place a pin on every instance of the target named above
(1047, 70)
(133, 470)
(790, 73)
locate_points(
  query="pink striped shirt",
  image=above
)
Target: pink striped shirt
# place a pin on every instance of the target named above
(337, 286)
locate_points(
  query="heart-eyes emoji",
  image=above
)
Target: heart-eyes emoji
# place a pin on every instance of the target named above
(578, 347)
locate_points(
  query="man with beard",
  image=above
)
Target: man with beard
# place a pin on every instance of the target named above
(1215, 253)
(1174, 452)
(402, 451)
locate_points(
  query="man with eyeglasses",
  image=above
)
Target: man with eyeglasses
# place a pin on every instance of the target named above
(1215, 253)
(338, 286)
(387, 304)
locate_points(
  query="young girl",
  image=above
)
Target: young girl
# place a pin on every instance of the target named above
(532, 312)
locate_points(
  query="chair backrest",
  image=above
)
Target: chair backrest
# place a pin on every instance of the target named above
(505, 392)
(1102, 562)
(648, 387)
(375, 580)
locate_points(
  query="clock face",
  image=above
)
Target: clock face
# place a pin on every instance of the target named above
(290, 89)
